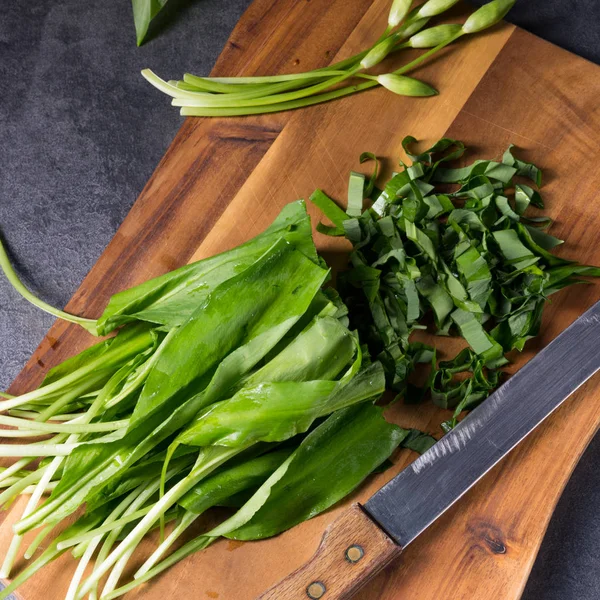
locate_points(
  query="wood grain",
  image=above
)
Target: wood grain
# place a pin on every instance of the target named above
(353, 550)
(223, 181)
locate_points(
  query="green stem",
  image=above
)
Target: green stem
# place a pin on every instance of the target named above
(33, 414)
(196, 544)
(83, 563)
(16, 450)
(415, 63)
(62, 401)
(86, 549)
(86, 377)
(127, 505)
(39, 538)
(31, 505)
(31, 478)
(90, 535)
(47, 556)
(195, 111)
(14, 468)
(192, 111)
(193, 83)
(13, 278)
(337, 67)
(76, 427)
(186, 520)
(47, 508)
(51, 486)
(249, 100)
(257, 95)
(116, 572)
(216, 457)
(50, 554)
(242, 83)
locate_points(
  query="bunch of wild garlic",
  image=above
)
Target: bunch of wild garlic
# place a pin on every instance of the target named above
(234, 96)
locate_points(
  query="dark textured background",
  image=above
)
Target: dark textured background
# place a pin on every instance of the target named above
(81, 133)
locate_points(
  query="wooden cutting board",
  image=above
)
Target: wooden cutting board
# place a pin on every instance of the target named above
(223, 181)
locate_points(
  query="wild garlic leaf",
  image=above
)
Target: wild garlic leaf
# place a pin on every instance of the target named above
(94, 471)
(240, 322)
(143, 13)
(330, 462)
(276, 411)
(229, 481)
(171, 298)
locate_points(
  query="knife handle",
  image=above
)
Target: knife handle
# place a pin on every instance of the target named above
(353, 550)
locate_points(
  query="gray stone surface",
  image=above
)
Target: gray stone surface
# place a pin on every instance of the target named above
(80, 134)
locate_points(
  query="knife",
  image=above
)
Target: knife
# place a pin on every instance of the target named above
(364, 539)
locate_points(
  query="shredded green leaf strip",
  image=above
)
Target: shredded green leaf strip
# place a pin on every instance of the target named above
(356, 188)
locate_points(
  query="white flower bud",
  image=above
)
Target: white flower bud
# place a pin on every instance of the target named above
(486, 16)
(435, 7)
(434, 36)
(408, 29)
(398, 11)
(405, 86)
(378, 53)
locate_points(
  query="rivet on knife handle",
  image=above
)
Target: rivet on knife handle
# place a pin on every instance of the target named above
(352, 550)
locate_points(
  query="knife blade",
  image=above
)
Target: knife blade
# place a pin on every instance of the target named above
(366, 538)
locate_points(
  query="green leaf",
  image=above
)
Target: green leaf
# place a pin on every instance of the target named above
(95, 471)
(321, 351)
(171, 298)
(370, 186)
(240, 322)
(414, 208)
(560, 273)
(229, 481)
(438, 205)
(417, 441)
(481, 342)
(391, 189)
(273, 412)
(524, 195)
(143, 12)
(286, 282)
(439, 300)
(356, 189)
(476, 272)
(513, 250)
(460, 393)
(506, 209)
(539, 243)
(524, 169)
(331, 462)
(421, 239)
(429, 154)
